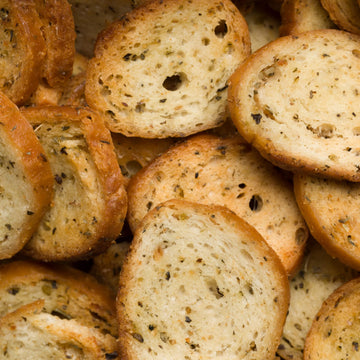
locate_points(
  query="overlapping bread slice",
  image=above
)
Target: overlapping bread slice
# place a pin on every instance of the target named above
(56, 308)
(26, 180)
(331, 210)
(334, 333)
(303, 15)
(22, 49)
(213, 170)
(162, 70)
(91, 17)
(318, 277)
(296, 101)
(59, 33)
(200, 283)
(70, 93)
(67, 293)
(106, 266)
(90, 201)
(30, 333)
(263, 23)
(344, 13)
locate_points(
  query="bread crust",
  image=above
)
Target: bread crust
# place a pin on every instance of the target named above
(330, 209)
(23, 50)
(85, 299)
(224, 171)
(59, 33)
(105, 184)
(25, 153)
(298, 16)
(146, 87)
(25, 331)
(334, 332)
(299, 127)
(317, 278)
(178, 291)
(344, 13)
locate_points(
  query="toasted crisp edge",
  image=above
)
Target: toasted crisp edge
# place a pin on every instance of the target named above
(31, 38)
(267, 149)
(116, 28)
(94, 342)
(345, 14)
(328, 305)
(19, 272)
(291, 17)
(318, 232)
(59, 32)
(101, 147)
(202, 141)
(35, 164)
(131, 263)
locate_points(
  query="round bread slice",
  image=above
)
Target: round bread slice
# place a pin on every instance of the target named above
(67, 293)
(90, 200)
(296, 101)
(22, 49)
(162, 70)
(26, 180)
(344, 13)
(334, 333)
(318, 277)
(30, 333)
(200, 283)
(298, 16)
(331, 210)
(225, 171)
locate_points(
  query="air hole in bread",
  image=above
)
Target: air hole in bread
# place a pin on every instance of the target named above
(255, 203)
(205, 41)
(356, 131)
(300, 235)
(247, 255)
(174, 82)
(325, 130)
(214, 288)
(221, 29)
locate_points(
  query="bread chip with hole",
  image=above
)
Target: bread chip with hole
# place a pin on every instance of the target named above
(162, 70)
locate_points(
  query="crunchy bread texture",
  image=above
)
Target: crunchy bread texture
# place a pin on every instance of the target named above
(330, 209)
(212, 170)
(334, 333)
(298, 16)
(344, 13)
(67, 293)
(30, 333)
(90, 200)
(26, 180)
(22, 51)
(296, 101)
(190, 268)
(149, 65)
(318, 277)
(59, 33)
